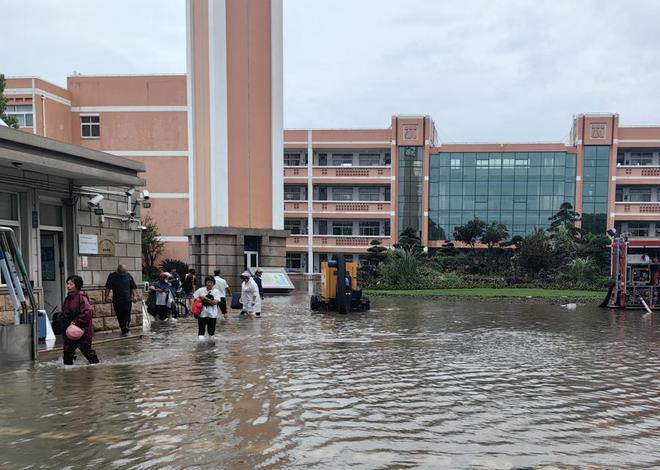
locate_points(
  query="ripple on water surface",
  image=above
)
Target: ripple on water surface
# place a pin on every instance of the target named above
(413, 383)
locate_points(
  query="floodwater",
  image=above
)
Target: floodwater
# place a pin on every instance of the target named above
(414, 383)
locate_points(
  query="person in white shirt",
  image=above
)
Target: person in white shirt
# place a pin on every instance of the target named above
(210, 299)
(224, 289)
(249, 294)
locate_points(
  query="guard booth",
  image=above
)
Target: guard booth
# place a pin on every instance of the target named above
(52, 196)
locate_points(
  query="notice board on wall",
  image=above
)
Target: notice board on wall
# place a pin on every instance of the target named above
(88, 244)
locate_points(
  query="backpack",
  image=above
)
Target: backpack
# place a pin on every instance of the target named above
(62, 320)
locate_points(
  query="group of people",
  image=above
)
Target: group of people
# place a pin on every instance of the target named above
(122, 289)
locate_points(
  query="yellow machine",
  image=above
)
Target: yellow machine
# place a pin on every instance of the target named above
(335, 295)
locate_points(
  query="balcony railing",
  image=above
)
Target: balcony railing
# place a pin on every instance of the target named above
(377, 172)
(295, 172)
(295, 206)
(634, 172)
(633, 209)
(352, 172)
(335, 241)
(334, 208)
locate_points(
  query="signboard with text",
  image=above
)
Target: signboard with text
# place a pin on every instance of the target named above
(88, 244)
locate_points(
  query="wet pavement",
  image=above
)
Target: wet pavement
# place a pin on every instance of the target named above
(412, 384)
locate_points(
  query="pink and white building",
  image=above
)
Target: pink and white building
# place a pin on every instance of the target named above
(216, 155)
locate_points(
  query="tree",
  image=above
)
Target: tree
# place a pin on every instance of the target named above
(596, 248)
(493, 234)
(565, 219)
(168, 263)
(410, 241)
(535, 253)
(152, 247)
(376, 253)
(11, 121)
(470, 232)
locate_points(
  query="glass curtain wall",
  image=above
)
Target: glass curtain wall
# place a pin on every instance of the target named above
(410, 189)
(518, 189)
(594, 190)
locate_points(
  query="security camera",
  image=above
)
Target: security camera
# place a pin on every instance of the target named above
(130, 213)
(145, 195)
(129, 192)
(95, 201)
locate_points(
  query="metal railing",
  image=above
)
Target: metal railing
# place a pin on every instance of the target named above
(18, 284)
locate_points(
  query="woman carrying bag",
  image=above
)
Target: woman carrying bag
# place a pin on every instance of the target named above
(210, 297)
(79, 333)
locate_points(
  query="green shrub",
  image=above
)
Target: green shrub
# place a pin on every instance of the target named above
(580, 270)
(400, 267)
(169, 263)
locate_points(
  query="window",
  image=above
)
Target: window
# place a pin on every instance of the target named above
(342, 228)
(369, 159)
(22, 113)
(295, 159)
(9, 216)
(342, 194)
(295, 226)
(369, 194)
(638, 229)
(294, 262)
(641, 158)
(342, 159)
(90, 126)
(642, 194)
(9, 206)
(371, 228)
(295, 193)
(50, 215)
(506, 187)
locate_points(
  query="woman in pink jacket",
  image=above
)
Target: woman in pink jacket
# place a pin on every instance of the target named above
(77, 305)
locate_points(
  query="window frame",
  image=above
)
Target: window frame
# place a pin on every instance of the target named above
(342, 226)
(15, 225)
(91, 125)
(369, 226)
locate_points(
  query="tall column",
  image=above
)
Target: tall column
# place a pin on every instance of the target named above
(236, 132)
(235, 80)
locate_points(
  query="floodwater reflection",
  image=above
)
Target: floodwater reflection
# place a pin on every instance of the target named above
(413, 383)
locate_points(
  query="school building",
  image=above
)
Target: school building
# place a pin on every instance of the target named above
(345, 187)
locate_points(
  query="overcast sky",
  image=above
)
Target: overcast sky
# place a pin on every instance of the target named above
(485, 70)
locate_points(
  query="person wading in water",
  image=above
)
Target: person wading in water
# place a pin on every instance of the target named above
(79, 333)
(124, 293)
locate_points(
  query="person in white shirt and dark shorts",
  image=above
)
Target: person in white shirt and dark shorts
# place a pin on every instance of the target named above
(210, 299)
(224, 289)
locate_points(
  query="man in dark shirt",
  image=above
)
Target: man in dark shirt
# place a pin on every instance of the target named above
(124, 290)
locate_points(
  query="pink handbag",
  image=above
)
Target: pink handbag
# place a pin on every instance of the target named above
(73, 332)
